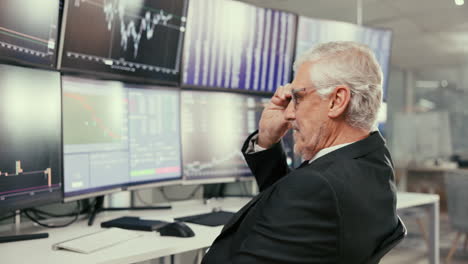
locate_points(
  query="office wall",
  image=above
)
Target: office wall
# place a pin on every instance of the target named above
(396, 98)
(452, 98)
(456, 76)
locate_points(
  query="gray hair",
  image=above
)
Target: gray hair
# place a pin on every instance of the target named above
(353, 65)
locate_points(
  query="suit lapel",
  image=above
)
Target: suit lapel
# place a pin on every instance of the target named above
(240, 214)
(354, 150)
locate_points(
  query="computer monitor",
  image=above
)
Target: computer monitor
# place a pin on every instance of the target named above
(234, 45)
(214, 128)
(315, 31)
(118, 136)
(28, 31)
(30, 138)
(124, 39)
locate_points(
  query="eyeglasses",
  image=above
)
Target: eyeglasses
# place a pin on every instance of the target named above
(296, 96)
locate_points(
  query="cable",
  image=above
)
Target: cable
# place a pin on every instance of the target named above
(43, 214)
(190, 196)
(7, 217)
(38, 215)
(77, 214)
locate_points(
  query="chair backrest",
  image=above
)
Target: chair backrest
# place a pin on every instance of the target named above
(456, 186)
(390, 242)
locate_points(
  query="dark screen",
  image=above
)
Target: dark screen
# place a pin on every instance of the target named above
(28, 31)
(125, 37)
(30, 137)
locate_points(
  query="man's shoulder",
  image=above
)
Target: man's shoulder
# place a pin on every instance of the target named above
(344, 173)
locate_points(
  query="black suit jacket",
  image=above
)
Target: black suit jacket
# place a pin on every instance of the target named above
(338, 209)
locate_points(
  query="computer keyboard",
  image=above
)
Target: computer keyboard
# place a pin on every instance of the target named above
(208, 219)
(95, 241)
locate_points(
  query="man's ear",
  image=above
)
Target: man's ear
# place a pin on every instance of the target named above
(339, 100)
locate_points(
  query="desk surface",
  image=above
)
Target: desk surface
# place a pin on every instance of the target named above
(405, 199)
(150, 245)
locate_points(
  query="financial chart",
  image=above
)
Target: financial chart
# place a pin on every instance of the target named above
(214, 128)
(117, 135)
(30, 137)
(234, 45)
(315, 31)
(28, 32)
(137, 39)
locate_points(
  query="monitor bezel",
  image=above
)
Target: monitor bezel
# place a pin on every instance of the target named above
(185, 86)
(124, 77)
(220, 178)
(126, 186)
(25, 63)
(51, 197)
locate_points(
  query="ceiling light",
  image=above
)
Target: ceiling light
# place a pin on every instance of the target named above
(459, 2)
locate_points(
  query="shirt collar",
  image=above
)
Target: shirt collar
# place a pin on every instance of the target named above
(325, 151)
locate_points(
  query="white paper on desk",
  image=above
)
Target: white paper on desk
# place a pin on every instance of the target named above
(99, 240)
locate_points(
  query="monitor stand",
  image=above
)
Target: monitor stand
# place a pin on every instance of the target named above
(21, 237)
(98, 207)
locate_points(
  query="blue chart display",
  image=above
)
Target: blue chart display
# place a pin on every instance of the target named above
(28, 32)
(230, 44)
(117, 136)
(137, 39)
(315, 31)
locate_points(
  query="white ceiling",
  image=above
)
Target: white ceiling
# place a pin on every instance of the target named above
(427, 34)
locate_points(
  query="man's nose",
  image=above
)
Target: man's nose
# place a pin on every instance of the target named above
(290, 113)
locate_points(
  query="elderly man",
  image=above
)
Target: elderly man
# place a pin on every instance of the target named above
(339, 205)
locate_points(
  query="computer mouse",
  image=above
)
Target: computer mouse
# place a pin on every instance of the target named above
(177, 229)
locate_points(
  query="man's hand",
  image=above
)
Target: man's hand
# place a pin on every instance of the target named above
(273, 125)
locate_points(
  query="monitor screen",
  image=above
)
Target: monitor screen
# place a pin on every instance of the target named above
(214, 128)
(118, 136)
(30, 138)
(315, 31)
(124, 38)
(28, 32)
(222, 51)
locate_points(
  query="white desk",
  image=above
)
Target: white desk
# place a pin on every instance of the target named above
(147, 247)
(151, 245)
(431, 201)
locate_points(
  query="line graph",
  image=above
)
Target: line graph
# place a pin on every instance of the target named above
(217, 166)
(136, 27)
(47, 173)
(31, 40)
(142, 38)
(90, 119)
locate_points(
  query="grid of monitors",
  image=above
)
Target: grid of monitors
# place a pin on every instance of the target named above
(124, 38)
(30, 138)
(117, 136)
(223, 51)
(314, 31)
(214, 128)
(28, 32)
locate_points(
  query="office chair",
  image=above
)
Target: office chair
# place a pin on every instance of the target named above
(390, 242)
(456, 184)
